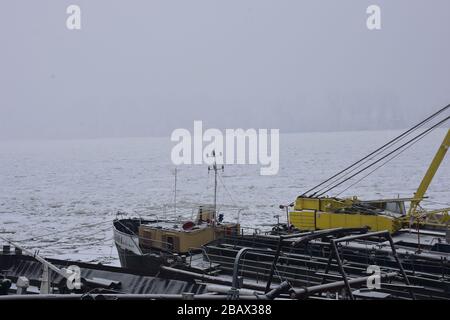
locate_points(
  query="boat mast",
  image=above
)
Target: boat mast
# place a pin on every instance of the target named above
(215, 168)
(215, 189)
(175, 194)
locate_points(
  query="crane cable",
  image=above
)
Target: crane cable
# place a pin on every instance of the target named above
(396, 139)
(385, 156)
(353, 170)
(384, 163)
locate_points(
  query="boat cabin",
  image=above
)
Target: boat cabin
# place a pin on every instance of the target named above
(182, 237)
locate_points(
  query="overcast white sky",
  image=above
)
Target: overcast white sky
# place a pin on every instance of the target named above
(141, 68)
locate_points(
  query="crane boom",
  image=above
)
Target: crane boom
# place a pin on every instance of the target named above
(434, 166)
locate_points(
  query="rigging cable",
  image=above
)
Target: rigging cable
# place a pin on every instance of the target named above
(377, 161)
(60, 241)
(384, 163)
(333, 181)
(228, 192)
(330, 183)
(379, 149)
(63, 231)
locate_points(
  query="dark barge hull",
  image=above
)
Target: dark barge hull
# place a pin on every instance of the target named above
(14, 265)
(130, 253)
(305, 265)
(147, 264)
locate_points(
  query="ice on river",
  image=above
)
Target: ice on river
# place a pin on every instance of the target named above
(60, 196)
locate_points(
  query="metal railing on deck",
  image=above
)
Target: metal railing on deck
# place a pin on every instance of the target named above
(203, 252)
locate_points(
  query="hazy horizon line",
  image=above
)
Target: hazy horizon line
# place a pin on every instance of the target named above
(29, 139)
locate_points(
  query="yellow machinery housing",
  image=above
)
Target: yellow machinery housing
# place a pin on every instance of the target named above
(329, 213)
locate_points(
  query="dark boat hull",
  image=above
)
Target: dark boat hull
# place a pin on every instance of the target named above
(129, 281)
(305, 265)
(145, 263)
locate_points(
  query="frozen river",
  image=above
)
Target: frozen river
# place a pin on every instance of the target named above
(60, 196)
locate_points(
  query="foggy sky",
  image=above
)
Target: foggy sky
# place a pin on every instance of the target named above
(144, 68)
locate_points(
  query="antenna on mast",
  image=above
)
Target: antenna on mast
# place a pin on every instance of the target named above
(175, 192)
(215, 167)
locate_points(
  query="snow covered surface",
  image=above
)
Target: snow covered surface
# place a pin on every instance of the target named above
(60, 196)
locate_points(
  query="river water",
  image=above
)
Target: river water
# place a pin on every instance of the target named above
(60, 196)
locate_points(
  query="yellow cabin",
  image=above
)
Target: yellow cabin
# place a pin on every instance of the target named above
(182, 237)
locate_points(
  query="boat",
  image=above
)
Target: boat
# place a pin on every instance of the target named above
(146, 244)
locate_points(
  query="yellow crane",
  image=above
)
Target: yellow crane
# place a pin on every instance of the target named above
(321, 212)
(418, 215)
